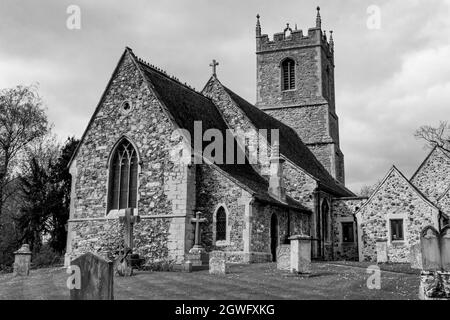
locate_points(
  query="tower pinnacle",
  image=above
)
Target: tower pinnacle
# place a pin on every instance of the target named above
(318, 19)
(258, 26)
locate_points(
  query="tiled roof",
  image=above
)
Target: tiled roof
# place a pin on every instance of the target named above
(187, 106)
(291, 145)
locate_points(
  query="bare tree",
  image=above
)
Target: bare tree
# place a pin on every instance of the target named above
(435, 136)
(22, 120)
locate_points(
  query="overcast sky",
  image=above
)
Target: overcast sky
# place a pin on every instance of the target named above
(389, 81)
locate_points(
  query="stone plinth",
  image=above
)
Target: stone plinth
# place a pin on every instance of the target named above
(217, 262)
(197, 257)
(284, 257)
(382, 250)
(22, 261)
(300, 254)
(434, 285)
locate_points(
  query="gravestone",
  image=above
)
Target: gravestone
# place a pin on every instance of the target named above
(382, 250)
(300, 254)
(22, 261)
(429, 243)
(197, 255)
(284, 257)
(218, 262)
(124, 265)
(445, 248)
(415, 256)
(97, 278)
(435, 276)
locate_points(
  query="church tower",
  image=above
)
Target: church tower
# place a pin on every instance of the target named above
(295, 84)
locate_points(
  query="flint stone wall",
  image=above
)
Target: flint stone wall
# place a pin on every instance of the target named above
(396, 198)
(343, 210)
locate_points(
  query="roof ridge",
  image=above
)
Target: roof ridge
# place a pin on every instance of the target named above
(165, 74)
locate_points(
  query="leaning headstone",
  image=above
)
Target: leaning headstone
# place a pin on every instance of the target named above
(284, 257)
(22, 261)
(382, 250)
(435, 276)
(217, 262)
(300, 254)
(415, 256)
(445, 248)
(429, 242)
(97, 278)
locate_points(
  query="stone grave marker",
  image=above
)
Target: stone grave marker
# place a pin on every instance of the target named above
(97, 278)
(218, 262)
(415, 256)
(429, 243)
(382, 250)
(123, 263)
(22, 261)
(284, 257)
(197, 255)
(445, 248)
(435, 276)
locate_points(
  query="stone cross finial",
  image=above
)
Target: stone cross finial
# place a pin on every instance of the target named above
(214, 65)
(197, 220)
(129, 219)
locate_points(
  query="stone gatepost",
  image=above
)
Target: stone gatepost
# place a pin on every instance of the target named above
(382, 251)
(300, 254)
(22, 261)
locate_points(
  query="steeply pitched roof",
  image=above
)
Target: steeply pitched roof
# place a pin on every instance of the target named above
(291, 145)
(395, 170)
(187, 106)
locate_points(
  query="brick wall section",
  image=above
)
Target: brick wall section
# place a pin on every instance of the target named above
(150, 130)
(344, 211)
(395, 198)
(433, 177)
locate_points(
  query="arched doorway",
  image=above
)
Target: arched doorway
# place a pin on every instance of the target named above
(274, 236)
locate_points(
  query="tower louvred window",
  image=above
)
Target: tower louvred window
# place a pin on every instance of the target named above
(288, 76)
(123, 177)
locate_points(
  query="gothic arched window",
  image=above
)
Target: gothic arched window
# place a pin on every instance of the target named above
(123, 177)
(221, 224)
(288, 74)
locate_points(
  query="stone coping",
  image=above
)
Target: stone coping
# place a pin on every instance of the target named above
(300, 237)
(162, 216)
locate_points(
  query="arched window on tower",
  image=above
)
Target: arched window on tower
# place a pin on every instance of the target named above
(123, 175)
(288, 74)
(221, 224)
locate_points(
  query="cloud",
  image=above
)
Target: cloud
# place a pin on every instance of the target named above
(388, 81)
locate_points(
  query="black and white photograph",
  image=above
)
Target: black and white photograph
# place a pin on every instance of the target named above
(224, 156)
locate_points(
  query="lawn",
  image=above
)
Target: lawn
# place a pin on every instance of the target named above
(257, 281)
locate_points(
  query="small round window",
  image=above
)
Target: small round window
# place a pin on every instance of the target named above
(126, 107)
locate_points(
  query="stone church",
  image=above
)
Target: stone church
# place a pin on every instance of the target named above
(133, 155)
